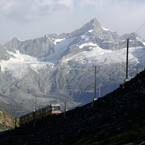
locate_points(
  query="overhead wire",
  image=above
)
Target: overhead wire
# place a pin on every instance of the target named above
(140, 29)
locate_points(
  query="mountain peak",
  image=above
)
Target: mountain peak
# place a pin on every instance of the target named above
(91, 25)
(15, 39)
(94, 22)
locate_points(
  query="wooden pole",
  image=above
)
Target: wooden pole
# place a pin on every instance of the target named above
(95, 86)
(100, 91)
(94, 89)
(4, 120)
(127, 60)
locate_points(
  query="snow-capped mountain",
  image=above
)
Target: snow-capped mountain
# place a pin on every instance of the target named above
(55, 66)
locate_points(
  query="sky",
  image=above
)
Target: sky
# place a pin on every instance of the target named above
(30, 19)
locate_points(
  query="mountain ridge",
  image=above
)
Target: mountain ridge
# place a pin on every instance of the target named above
(95, 33)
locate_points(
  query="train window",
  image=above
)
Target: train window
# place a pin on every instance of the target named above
(55, 108)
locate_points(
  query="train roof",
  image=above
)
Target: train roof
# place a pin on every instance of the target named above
(55, 105)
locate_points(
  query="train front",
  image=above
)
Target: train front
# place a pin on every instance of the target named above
(55, 109)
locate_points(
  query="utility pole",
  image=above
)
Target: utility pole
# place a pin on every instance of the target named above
(65, 102)
(99, 90)
(14, 120)
(35, 107)
(4, 120)
(18, 114)
(95, 86)
(94, 99)
(65, 107)
(126, 80)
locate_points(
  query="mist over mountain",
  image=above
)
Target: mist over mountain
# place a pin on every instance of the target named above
(55, 66)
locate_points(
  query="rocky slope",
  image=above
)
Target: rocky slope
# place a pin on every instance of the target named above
(55, 66)
(6, 121)
(115, 119)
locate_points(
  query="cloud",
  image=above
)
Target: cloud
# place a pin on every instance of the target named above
(32, 9)
(33, 18)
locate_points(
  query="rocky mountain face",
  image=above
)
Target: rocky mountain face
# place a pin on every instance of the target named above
(58, 67)
(115, 119)
(3, 54)
(36, 48)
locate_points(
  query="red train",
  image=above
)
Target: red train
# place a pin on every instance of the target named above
(38, 114)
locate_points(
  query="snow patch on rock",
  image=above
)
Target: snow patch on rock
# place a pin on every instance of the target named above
(90, 31)
(87, 44)
(105, 29)
(58, 40)
(102, 56)
(19, 64)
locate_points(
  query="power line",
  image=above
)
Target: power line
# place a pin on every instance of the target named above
(140, 29)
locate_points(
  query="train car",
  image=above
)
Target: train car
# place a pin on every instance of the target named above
(55, 109)
(39, 114)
